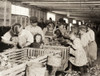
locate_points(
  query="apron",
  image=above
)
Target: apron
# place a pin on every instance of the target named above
(79, 57)
(86, 49)
(92, 52)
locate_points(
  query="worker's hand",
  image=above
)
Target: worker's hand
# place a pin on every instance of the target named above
(14, 43)
(21, 45)
(14, 39)
(69, 43)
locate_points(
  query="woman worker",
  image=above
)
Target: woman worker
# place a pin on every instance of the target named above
(18, 36)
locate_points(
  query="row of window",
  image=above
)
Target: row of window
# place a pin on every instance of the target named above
(19, 10)
(25, 11)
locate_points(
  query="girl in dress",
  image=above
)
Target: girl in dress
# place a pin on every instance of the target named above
(78, 56)
(89, 44)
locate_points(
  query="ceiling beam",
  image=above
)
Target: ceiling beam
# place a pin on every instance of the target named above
(68, 8)
(67, 5)
(71, 12)
(71, 8)
(53, 0)
(86, 18)
(48, 3)
(79, 18)
(67, 2)
(61, 12)
(74, 10)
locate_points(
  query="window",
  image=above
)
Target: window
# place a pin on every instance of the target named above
(51, 15)
(74, 22)
(18, 10)
(83, 22)
(70, 24)
(79, 23)
(66, 20)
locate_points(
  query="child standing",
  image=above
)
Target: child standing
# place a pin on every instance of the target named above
(78, 55)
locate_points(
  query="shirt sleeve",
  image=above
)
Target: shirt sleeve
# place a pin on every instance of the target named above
(6, 36)
(29, 37)
(92, 35)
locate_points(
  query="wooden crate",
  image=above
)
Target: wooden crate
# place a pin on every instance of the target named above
(16, 55)
(64, 54)
(39, 52)
(19, 70)
(19, 55)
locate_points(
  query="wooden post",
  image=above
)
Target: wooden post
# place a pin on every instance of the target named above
(9, 14)
(16, 19)
(5, 12)
(39, 17)
(25, 23)
(21, 19)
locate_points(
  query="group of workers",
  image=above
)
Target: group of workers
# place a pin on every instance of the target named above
(81, 39)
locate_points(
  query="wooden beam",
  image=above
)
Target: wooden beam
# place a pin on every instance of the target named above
(93, 2)
(5, 12)
(67, 5)
(79, 18)
(55, 0)
(86, 18)
(88, 7)
(61, 12)
(75, 10)
(75, 14)
(48, 0)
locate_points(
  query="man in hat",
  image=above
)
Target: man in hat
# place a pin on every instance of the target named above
(34, 28)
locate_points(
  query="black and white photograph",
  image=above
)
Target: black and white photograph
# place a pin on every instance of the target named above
(49, 37)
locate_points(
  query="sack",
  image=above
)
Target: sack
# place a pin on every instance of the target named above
(35, 69)
(54, 60)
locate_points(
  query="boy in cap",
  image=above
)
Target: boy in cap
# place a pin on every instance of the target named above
(34, 28)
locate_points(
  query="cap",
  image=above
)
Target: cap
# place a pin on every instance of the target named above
(33, 19)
